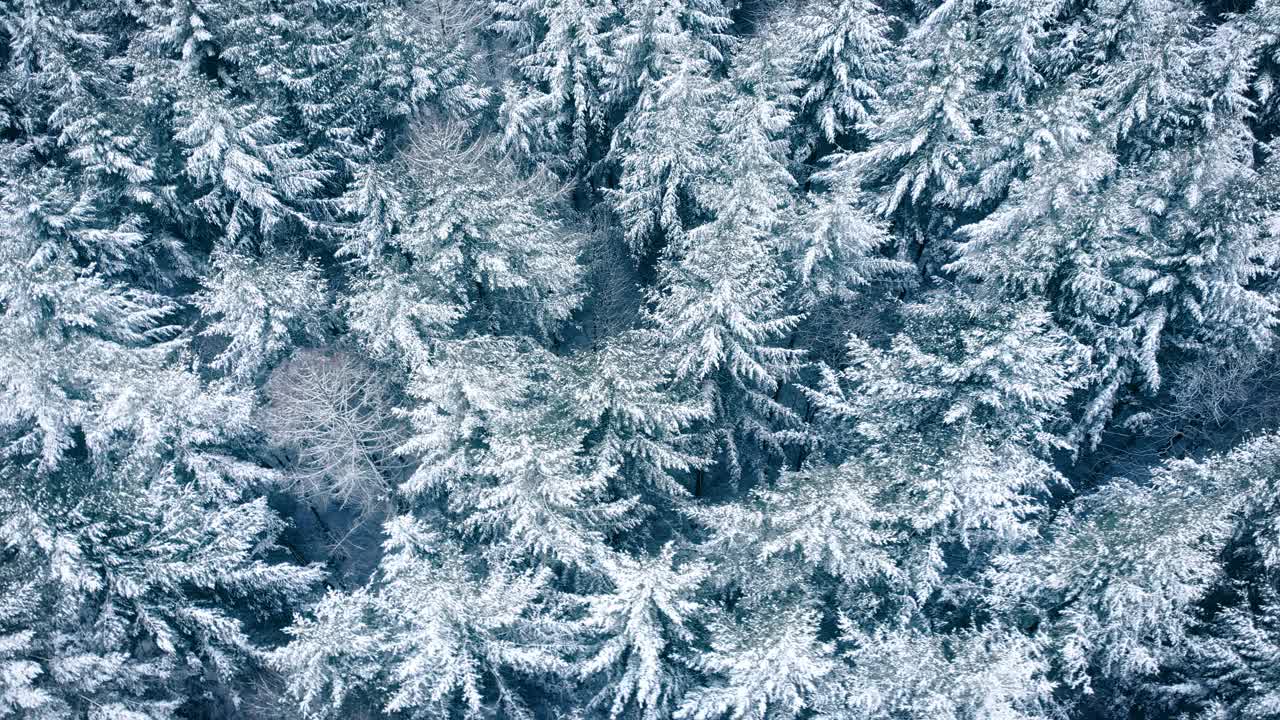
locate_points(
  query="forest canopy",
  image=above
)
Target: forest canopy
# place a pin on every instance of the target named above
(639, 359)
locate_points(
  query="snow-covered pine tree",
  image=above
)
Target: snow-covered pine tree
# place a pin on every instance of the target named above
(842, 56)
(247, 179)
(66, 92)
(640, 420)
(1232, 663)
(658, 38)
(644, 629)
(835, 250)
(139, 562)
(663, 67)
(495, 440)
(914, 674)
(772, 666)
(1144, 228)
(917, 138)
(345, 74)
(661, 151)
(69, 329)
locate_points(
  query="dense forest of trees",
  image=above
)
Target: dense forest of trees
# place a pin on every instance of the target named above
(693, 359)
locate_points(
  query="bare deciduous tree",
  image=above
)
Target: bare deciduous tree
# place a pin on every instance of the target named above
(333, 412)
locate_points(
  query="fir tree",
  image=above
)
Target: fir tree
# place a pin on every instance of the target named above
(771, 667)
(494, 438)
(843, 56)
(661, 151)
(640, 426)
(721, 286)
(912, 674)
(916, 143)
(133, 562)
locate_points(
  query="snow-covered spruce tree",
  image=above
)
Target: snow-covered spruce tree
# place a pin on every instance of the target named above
(842, 57)
(1076, 131)
(664, 61)
(66, 98)
(332, 78)
(789, 541)
(247, 179)
(661, 149)
(495, 440)
(1146, 227)
(923, 122)
(509, 506)
(135, 557)
(906, 673)
(243, 118)
(1115, 587)
(654, 39)
(719, 300)
(644, 628)
(556, 114)
(437, 636)
(834, 247)
(391, 310)
(1231, 666)
(261, 306)
(342, 74)
(134, 554)
(69, 330)
(640, 421)
(782, 555)
(773, 667)
(463, 236)
(139, 554)
(954, 422)
(970, 396)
